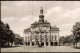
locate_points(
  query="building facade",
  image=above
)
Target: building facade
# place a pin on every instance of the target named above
(41, 33)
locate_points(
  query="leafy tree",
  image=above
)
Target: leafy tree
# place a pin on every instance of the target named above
(18, 40)
(76, 32)
(2, 36)
(66, 39)
(7, 36)
(61, 40)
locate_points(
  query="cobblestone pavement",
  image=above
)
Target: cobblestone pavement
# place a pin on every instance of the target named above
(40, 49)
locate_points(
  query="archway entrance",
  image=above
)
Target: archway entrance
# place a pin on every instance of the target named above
(51, 43)
(55, 43)
(46, 43)
(42, 43)
(37, 43)
(28, 43)
(32, 43)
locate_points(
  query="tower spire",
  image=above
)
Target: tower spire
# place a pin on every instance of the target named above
(41, 10)
(41, 16)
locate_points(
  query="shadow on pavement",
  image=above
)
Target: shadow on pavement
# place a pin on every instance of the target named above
(41, 47)
(38, 47)
(10, 46)
(77, 48)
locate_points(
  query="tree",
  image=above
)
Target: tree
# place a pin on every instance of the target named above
(2, 37)
(67, 39)
(76, 32)
(10, 37)
(61, 40)
(7, 36)
(18, 39)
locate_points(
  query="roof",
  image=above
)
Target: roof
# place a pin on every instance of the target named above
(54, 28)
(34, 23)
(27, 30)
(45, 22)
(37, 24)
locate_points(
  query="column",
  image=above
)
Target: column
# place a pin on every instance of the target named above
(48, 43)
(30, 43)
(44, 43)
(24, 37)
(58, 38)
(53, 43)
(49, 39)
(44, 40)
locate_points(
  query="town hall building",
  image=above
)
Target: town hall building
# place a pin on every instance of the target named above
(41, 33)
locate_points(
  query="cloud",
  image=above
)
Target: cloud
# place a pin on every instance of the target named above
(17, 14)
(28, 18)
(73, 13)
(17, 25)
(20, 3)
(63, 18)
(8, 19)
(56, 9)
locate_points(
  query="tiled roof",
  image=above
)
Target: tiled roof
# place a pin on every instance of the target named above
(34, 23)
(45, 22)
(54, 28)
(37, 24)
(27, 30)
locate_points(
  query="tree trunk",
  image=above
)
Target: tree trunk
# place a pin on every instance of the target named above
(76, 45)
(11, 44)
(8, 43)
(73, 44)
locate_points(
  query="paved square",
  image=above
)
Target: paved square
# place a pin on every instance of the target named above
(40, 49)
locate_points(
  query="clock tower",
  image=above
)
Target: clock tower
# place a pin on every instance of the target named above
(41, 16)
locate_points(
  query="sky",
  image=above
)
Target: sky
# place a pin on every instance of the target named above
(21, 14)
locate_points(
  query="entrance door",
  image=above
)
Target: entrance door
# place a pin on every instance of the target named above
(26, 43)
(32, 43)
(42, 43)
(51, 43)
(55, 43)
(46, 43)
